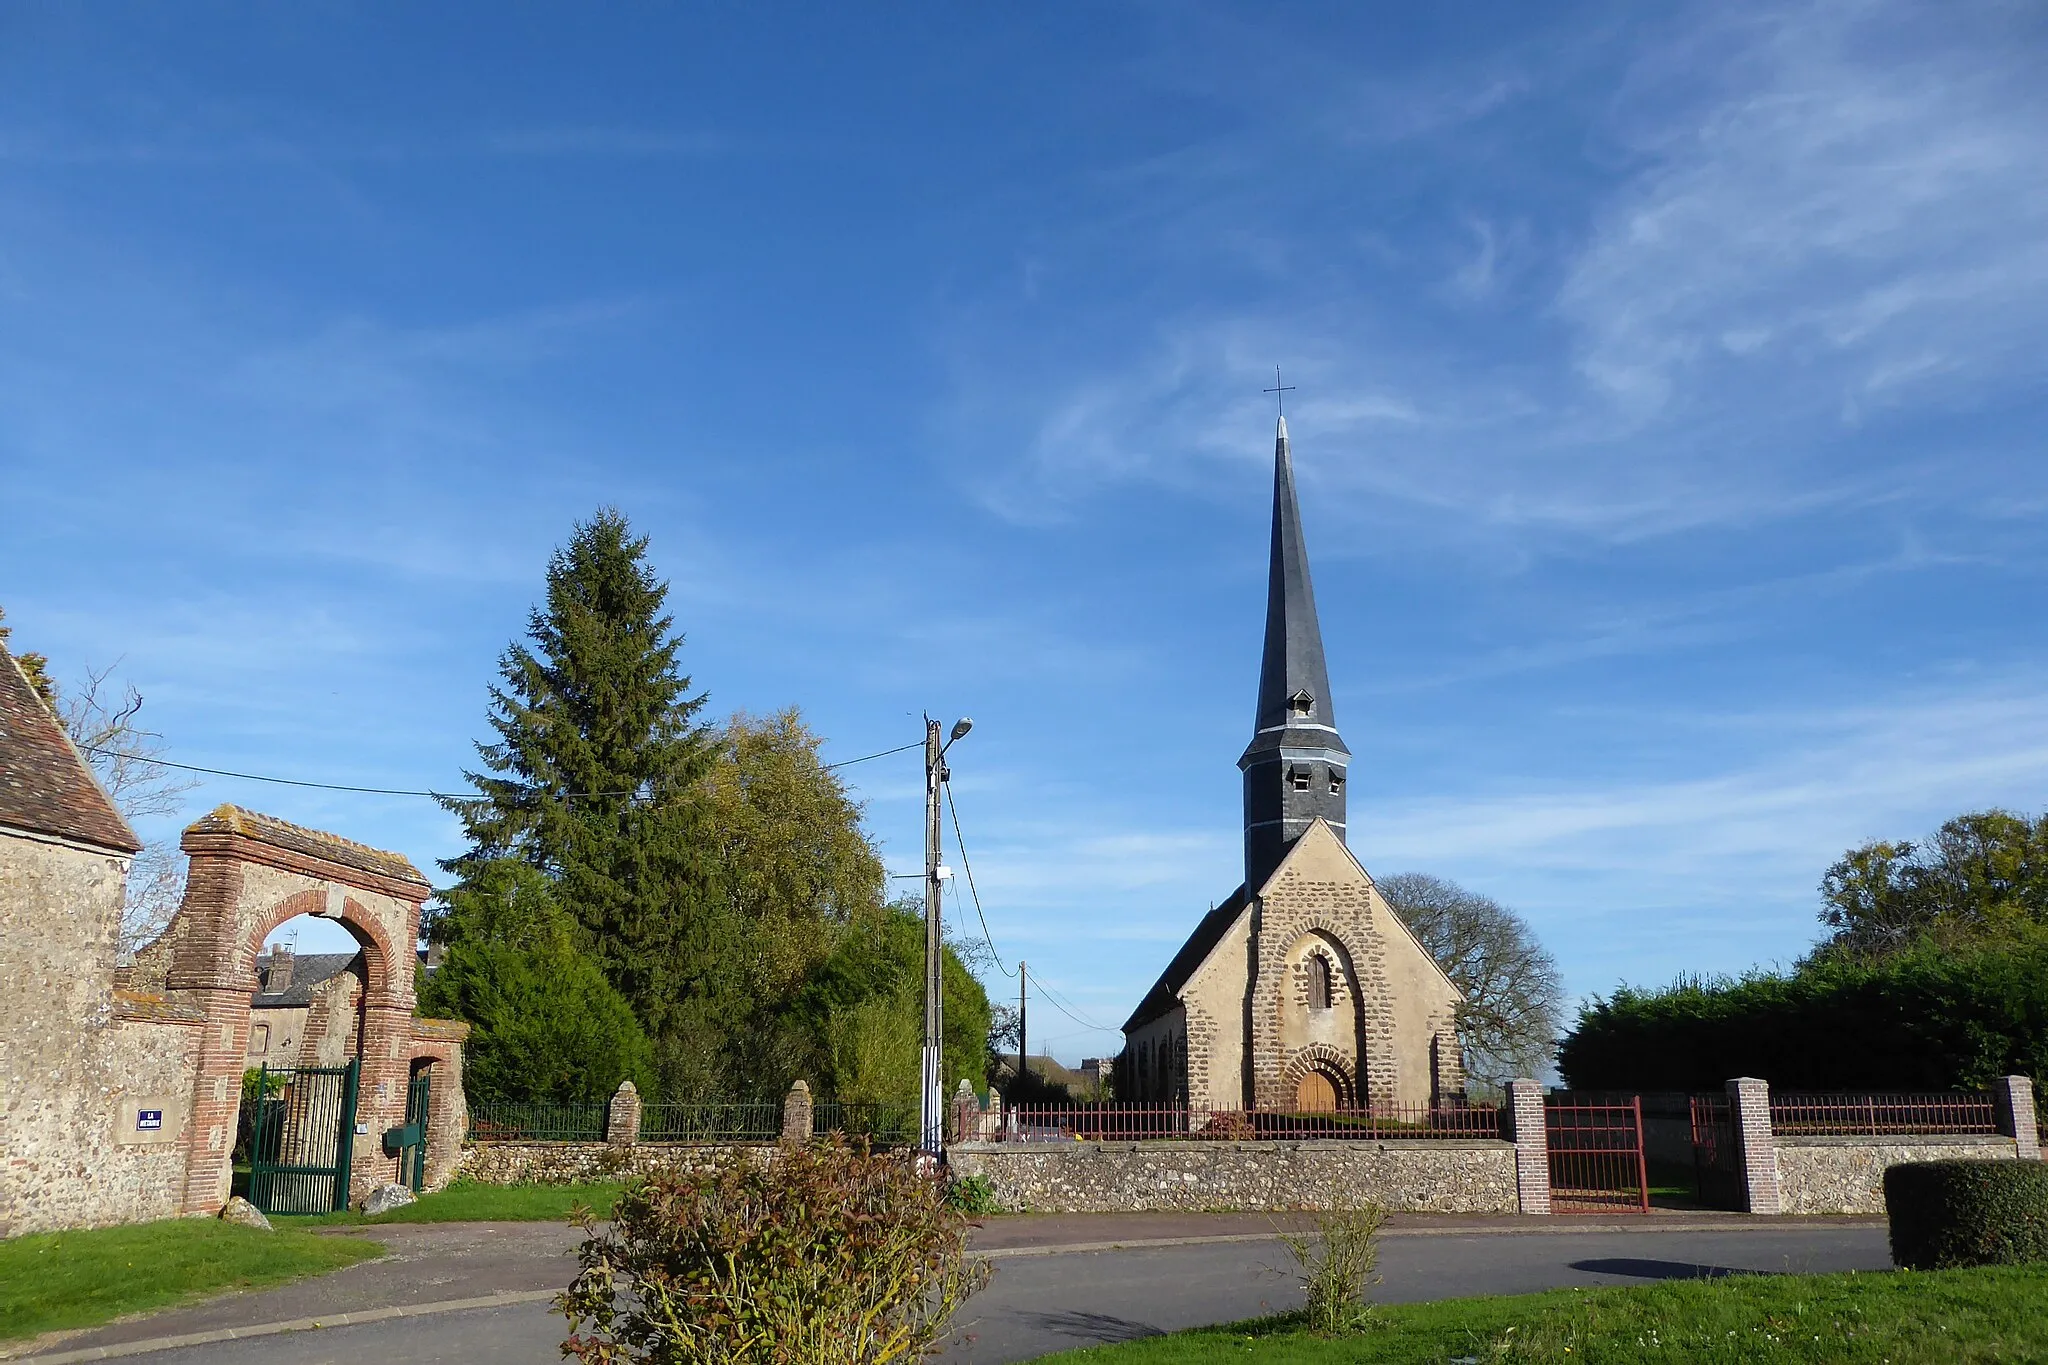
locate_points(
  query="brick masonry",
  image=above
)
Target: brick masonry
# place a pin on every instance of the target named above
(1531, 1132)
(1749, 1104)
(120, 1105)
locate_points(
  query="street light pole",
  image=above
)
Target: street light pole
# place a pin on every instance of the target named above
(932, 1087)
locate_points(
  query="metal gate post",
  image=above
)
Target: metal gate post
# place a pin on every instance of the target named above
(345, 1144)
(1642, 1157)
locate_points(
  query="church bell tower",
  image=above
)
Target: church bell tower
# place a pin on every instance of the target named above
(1296, 765)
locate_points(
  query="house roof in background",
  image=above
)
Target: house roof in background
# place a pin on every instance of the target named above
(308, 972)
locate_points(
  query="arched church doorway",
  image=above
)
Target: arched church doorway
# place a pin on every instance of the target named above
(1316, 1093)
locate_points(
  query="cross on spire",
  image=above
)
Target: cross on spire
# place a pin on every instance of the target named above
(1279, 391)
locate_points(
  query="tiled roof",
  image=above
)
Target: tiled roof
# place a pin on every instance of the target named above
(1165, 992)
(313, 843)
(45, 785)
(308, 971)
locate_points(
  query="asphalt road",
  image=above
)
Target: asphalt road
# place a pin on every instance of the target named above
(1037, 1304)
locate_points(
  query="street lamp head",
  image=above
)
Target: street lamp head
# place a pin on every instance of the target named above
(961, 727)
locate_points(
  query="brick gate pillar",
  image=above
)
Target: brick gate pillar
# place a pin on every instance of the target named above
(1532, 1145)
(380, 1099)
(1756, 1146)
(2013, 1098)
(216, 1097)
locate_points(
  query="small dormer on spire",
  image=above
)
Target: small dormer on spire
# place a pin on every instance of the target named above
(1295, 766)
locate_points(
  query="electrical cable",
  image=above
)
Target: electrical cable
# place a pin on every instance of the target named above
(968, 868)
(400, 791)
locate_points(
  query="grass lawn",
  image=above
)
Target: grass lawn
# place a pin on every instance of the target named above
(466, 1203)
(52, 1280)
(1899, 1317)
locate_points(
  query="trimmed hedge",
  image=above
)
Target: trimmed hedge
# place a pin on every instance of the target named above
(1946, 1214)
(1926, 1020)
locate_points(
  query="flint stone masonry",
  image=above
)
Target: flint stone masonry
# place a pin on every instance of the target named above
(1846, 1174)
(1439, 1176)
(579, 1163)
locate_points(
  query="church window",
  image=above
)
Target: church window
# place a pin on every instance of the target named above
(1302, 777)
(1301, 705)
(1336, 783)
(1320, 986)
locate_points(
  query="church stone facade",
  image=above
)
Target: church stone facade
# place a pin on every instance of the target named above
(1302, 989)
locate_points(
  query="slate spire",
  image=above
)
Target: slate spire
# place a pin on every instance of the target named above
(1296, 764)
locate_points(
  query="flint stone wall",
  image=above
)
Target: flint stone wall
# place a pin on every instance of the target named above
(576, 1163)
(1846, 1174)
(1447, 1175)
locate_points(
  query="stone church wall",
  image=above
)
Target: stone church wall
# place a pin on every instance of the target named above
(1213, 1001)
(1450, 1175)
(1404, 1010)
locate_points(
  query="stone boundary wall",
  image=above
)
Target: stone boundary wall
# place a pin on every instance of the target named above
(577, 1163)
(1846, 1174)
(1438, 1175)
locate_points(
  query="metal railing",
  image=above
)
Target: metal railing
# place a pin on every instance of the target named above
(1141, 1123)
(1875, 1115)
(883, 1125)
(536, 1121)
(684, 1123)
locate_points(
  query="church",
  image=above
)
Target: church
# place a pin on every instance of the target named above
(1301, 989)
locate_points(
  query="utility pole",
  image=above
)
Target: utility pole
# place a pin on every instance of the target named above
(932, 1089)
(1021, 1053)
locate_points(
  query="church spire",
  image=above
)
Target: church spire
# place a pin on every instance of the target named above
(1294, 768)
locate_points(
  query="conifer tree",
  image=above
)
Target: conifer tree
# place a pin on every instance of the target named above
(594, 781)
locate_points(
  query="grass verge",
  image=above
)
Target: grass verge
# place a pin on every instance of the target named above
(1899, 1317)
(54, 1280)
(467, 1203)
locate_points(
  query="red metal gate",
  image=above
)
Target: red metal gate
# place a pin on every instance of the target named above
(1596, 1156)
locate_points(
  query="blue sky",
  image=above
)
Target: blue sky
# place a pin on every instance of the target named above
(1669, 417)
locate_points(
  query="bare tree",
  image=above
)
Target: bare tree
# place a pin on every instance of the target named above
(101, 719)
(1514, 993)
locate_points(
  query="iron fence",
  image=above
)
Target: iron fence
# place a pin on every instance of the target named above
(1717, 1175)
(882, 1125)
(711, 1123)
(1140, 1123)
(536, 1121)
(1875, 1115)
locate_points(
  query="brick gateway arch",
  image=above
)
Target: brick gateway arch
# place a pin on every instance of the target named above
(250, 873)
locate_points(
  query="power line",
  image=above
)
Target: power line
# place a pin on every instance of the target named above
(1054, 996)
(402, 791)
(968, 867)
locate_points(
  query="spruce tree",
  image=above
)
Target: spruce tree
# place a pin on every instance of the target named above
(595, 782)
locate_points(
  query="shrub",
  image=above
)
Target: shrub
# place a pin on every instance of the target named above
(1337, 1261)
(1945, 1214)
(822, 1256)
(1930, 1019)
(545, 1023)
(973, 1195)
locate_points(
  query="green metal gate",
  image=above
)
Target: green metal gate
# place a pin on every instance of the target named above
(412, 1139)
(302, 1138)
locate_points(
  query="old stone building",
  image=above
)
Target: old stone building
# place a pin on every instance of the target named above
(1302, 989)
(306, 1008)
(120, 1088)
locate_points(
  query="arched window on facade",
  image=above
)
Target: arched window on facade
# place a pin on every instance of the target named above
(1320, 986)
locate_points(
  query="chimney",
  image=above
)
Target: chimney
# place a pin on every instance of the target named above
(277, 978)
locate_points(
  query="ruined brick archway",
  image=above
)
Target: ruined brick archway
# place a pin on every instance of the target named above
(249, 874)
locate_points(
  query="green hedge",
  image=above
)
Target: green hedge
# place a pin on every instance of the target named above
(1926, 1020)
(1946, 1214)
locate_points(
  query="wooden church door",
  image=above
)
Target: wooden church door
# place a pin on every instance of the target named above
(1315, 1094)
